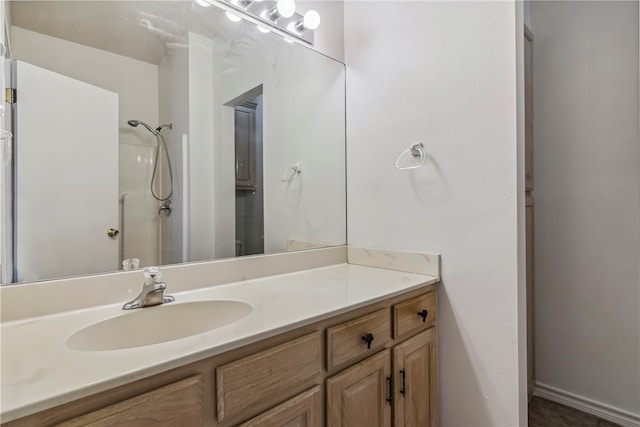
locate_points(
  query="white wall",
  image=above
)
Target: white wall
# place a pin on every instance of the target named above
(587, 196)
(444, 73)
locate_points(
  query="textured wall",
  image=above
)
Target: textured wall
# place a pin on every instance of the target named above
(444, 73)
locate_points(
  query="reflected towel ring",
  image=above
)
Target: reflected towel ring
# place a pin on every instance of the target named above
(293, 171)
(416, 150)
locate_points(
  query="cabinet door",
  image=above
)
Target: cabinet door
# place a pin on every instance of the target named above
(414, 372)
(177, 404)
(268, 376)
(358, 396)
(304, 410)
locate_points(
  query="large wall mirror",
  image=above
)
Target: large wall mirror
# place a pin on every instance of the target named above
(161, 132)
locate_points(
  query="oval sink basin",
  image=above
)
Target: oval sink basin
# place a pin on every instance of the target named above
(153, 325)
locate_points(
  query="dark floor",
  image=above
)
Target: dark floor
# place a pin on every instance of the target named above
(545, 413)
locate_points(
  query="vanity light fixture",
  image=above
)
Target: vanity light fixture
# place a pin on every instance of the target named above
(278, 16)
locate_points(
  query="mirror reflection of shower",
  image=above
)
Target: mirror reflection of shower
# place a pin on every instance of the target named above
(160, 141)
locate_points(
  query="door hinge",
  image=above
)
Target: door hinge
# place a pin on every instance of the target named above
(10, 95)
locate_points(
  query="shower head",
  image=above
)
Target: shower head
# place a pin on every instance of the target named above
(135, 123)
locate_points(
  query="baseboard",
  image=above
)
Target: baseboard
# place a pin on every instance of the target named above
(600, 410)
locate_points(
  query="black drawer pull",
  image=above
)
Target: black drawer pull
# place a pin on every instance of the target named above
(423, 314)
(390, 384)
(403, 390)
(368, 338)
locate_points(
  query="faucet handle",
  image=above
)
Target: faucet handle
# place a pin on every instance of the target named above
(152, 275)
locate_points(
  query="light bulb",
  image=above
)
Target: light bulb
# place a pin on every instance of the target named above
(286, 8)
(232, 17)
(203, 3)
(263, 29)
(311, 20)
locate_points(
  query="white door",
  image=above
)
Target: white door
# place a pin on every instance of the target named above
(66, 176)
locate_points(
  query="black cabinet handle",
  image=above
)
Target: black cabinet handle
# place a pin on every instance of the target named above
(403, 374)
(390, 384)
(423, 314)
(368, 338)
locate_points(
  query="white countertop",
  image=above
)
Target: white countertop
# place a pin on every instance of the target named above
(40, 371)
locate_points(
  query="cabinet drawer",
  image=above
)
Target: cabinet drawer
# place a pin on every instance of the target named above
(304, 410)
(408, 316)
(179, 403)
(270, 374)
(346, 341)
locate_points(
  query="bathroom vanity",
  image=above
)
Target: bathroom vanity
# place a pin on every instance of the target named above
(341, 345)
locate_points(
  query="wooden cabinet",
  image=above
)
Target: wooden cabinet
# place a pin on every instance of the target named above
(414, 315)
(355, 338)
(257, 378)
(414, 367)
(399, 380)
(361, 395)
(304, 410)
(177, 404)
(320, 374)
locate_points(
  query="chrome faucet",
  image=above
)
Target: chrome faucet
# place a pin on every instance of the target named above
(152, 291)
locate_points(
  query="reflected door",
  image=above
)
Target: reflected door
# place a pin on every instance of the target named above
(249, 180)
(66, 187)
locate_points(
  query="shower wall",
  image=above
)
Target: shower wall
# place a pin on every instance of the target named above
(124, 76)
(173, 76)
(186, 78)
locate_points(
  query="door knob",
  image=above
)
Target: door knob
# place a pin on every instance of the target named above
(112, 232)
